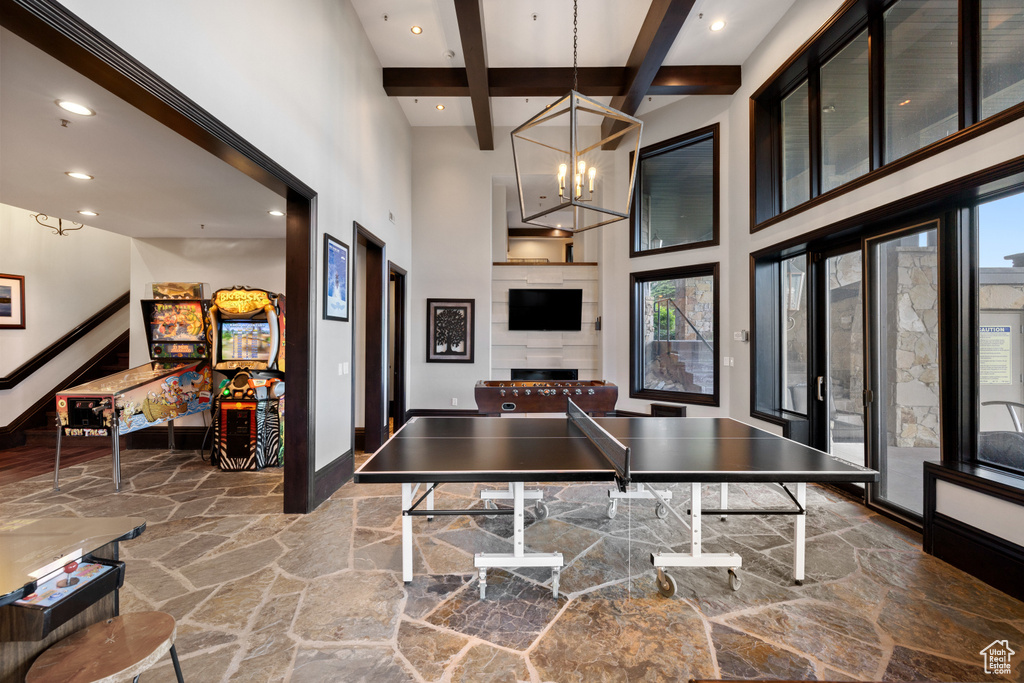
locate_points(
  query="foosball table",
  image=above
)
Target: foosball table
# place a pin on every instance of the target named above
(595, 397)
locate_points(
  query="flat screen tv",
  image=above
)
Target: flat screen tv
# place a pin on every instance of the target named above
(556, 310)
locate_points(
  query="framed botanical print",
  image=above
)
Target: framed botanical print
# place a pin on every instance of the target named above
(450, 335)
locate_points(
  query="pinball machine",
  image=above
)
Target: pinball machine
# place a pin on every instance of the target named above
(175, 383)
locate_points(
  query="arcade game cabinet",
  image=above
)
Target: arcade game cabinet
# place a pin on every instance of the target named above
(175, 384)
(247, 346)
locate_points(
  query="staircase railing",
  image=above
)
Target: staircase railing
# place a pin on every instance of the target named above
(658, 308)
(39, 360)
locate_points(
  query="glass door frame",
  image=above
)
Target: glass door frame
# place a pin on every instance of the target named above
(873, 358)
(818, 365)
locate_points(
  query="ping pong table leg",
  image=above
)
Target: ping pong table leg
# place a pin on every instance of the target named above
(725, 499)
(800, 535)
(695, 523)
(407, 494)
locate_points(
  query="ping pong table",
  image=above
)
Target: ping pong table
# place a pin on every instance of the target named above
(429, 451)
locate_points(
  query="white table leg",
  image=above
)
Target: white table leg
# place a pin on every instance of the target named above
(407, 493)
(725, 499)
(695, 523)
(800, 535)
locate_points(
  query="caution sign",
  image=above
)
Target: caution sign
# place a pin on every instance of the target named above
(995, 361)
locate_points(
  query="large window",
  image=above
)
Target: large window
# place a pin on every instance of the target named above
(845, 128)
(883, 85)
(1000, 333)
(675, 205)
(1002, 55)
(920, 74)
(796, 150)
(674, 340)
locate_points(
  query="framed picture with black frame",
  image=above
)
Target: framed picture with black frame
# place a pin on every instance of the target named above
(12, 301)
(336, 289)
(450, 336)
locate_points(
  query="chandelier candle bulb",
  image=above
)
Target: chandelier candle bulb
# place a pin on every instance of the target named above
(592, 174)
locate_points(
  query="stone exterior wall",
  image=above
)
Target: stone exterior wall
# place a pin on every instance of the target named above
(912, 320)
(846, 336)
(676, 359)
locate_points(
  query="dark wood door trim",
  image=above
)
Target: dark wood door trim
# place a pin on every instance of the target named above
(398, 373)
(61, 34)
(375, 413)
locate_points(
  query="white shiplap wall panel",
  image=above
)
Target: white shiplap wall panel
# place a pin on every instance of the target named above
(545, 350)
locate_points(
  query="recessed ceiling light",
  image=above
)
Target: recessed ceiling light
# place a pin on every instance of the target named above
(86, 212)
(717, 25)
(416, 30)
(75, 108)
(275, 212)
(440, 107)
(78, 176)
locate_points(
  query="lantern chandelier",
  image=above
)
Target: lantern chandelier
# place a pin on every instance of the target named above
(569, 187)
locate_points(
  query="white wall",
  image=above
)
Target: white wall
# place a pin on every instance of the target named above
(550, 248)
(300, 81)
(455, 222)
(67, 280)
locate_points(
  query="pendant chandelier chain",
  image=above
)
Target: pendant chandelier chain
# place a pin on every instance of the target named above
(575, 35)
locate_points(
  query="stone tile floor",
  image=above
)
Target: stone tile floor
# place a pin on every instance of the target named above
(264, 596)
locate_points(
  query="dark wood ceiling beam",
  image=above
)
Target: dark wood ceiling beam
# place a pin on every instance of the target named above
(416, 82)
(696, 80)
(660, 28)
(598, 81)
(474, 50)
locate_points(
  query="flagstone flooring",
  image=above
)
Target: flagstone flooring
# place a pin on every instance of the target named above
(264, 596)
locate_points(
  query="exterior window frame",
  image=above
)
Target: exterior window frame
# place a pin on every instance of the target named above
(713, 133)
(636, 370)
(765, 107)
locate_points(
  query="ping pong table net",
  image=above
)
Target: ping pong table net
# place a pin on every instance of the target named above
(611, 448)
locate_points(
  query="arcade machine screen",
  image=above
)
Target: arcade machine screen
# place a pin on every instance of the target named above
(244, 340)
(177, 329)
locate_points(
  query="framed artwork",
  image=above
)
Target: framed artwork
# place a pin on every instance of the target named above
(12, 301)
(450, 337)
(335, 279)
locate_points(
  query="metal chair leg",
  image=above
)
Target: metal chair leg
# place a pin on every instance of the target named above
(177, 666)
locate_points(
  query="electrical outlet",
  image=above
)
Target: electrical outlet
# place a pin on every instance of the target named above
(455, 401)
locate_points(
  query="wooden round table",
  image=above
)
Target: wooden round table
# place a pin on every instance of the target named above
(117, 649)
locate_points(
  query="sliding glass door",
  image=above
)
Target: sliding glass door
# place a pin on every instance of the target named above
(903, 362)
(837, 342)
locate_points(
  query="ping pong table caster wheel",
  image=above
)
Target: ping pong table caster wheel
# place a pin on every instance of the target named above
(490, 505)
(734, 580)
(555, 574)
(613, 507)
(666, 584)
(541, 509)
(660, 511)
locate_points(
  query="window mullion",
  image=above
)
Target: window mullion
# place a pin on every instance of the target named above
(876, 87)
(814, 125)
(969, 32)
